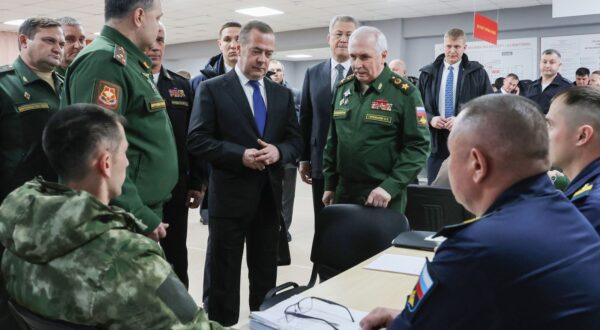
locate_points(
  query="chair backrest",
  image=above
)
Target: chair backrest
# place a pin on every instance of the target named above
(431, 208)
(346, 235)
(38, 322)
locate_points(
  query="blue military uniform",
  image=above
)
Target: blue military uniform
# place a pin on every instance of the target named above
(543, 97)
(584, 192)
(530, 262)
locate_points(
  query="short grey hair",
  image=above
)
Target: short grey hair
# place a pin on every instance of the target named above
(380, 40)
(68, 21)
(277, 62)
(342, 18)
(552, 52)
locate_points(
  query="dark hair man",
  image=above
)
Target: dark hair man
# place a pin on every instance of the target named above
(247, 151)
(574, 130)
(81, 260)
(114, 73)
(510, 85)
(447, 83)
(529, 260)
(542, 90)
(582, 77)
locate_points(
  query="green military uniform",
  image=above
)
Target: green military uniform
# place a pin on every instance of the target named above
(60, 71)
(379, 139)
(26, 103)
(69, 257)
(115, 74)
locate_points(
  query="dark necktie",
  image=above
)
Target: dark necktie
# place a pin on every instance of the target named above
(449, 96)
(340, 75)
(260, 109)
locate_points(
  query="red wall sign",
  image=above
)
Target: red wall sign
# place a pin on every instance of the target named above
(485, 29)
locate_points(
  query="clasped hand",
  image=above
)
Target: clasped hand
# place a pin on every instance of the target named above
(259, 159)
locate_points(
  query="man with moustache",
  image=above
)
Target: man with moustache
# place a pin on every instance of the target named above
(246, 129)
(74, 42)
(113, 72)
(318, 89)
(447, 83)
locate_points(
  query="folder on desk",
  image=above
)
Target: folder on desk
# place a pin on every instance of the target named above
(421, 240)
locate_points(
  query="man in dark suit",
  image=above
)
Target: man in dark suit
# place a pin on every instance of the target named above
(447, 83)
(246, 129)
(188, 191)
(315, 107)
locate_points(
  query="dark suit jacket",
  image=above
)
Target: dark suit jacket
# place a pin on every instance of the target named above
(315, 114)
(224, 128)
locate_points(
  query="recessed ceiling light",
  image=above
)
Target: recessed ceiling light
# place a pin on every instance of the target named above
(16, 22)
(259, 11)
(97, 33)
(299, 56)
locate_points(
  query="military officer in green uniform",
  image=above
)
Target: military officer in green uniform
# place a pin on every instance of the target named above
(114, 73)
(378, 141)
(29, 94)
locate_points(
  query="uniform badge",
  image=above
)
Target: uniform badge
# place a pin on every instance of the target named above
(379, 87)
(25, 79)
(584, 191)
(424, 286)
(176, 93)
(120, 55)
(108, 95)
(27, 95)
(421, 116)
(381, 105)
(344, 100)
(405, 86)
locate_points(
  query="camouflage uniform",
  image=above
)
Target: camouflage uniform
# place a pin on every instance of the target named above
(71, 258)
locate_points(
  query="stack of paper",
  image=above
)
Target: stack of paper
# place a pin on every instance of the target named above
(398, 264)
(274, 317)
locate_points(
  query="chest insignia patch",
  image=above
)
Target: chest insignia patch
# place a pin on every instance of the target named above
(381, 105)
(176, 93)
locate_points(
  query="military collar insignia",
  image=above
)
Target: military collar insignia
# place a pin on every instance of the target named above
(450, 230)
(27, 95)
(120, 55)
(583, 192)
(344, 100)
(25, 79)
(145, 65)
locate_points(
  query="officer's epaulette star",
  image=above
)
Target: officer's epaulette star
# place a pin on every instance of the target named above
(347, 80)
(120, 55)
(448, 231)
(402, 84)
(6, 68)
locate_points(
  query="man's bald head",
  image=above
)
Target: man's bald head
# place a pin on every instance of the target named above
(398, 66)
(497, 140)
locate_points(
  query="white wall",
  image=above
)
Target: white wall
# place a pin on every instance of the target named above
(412, 39)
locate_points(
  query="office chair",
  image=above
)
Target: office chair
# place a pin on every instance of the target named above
(345, 235)
(431, 208)
(33, 321)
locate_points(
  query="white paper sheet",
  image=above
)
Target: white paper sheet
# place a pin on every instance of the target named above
(398, 264)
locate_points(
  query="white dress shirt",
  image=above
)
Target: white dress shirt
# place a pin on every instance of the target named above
(249, 90)
(346, 66)
(442, 93)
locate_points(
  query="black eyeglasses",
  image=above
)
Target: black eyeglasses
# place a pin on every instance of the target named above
(303, 306)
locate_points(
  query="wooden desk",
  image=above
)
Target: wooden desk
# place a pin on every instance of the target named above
(364, 289)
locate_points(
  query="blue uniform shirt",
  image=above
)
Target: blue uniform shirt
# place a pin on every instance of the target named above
(584, 192)
(531, 262)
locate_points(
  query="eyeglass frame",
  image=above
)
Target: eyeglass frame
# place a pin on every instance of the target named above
(286, 311)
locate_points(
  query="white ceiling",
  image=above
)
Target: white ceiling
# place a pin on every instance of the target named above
(196, 20)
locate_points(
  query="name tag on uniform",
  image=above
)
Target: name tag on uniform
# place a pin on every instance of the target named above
(181, 103)
(340, 113)
(157, 105)
(378, 118)
(33, 106)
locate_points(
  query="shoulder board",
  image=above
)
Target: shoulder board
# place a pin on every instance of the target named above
(583, 192)
(402, 84)
(6, 68)
(120, 55)
(347, 80)
(450, 230)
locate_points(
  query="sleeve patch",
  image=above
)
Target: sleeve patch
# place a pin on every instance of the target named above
(174, 295)
(425, 285)
(107, 95)
(421, 116)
